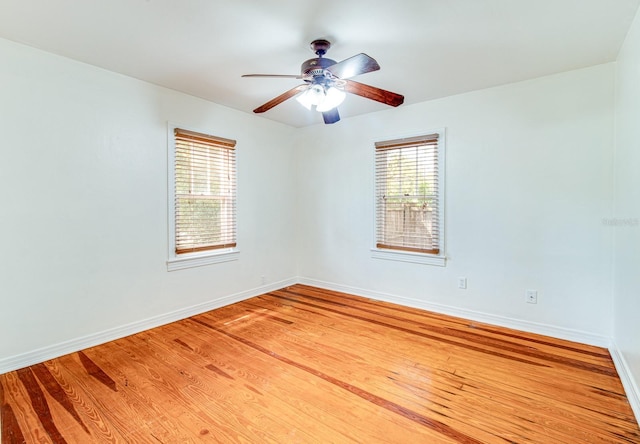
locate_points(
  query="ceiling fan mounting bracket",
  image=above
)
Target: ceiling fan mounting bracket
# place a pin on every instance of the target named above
(320, 47)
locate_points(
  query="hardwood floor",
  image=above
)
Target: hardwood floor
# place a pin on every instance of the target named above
(308, 365)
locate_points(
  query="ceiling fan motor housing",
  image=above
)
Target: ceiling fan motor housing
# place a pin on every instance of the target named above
(314, 68)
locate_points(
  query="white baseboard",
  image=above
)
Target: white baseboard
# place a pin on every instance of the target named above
(53, 351)
(517, 324)
(628, 382)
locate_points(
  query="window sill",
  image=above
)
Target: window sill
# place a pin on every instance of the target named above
(201, 259)
(406, 256)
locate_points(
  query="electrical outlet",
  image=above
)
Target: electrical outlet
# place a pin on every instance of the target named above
(531, 296)
(462, 283)
(263, 280)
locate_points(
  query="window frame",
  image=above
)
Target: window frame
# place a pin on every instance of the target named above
(401, 255)
(193, 259)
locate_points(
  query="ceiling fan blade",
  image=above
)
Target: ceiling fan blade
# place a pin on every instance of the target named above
(281, 98)
(331, 116)
(281, 76)
(354, 66)
(373, 93)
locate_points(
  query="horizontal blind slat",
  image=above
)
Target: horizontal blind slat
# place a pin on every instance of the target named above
(430, 139)
(193, 136)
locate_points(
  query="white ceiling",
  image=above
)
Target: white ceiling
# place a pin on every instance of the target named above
(427, 48)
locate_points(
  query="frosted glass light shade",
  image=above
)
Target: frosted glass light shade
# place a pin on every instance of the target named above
(312, 96)
(333, 98)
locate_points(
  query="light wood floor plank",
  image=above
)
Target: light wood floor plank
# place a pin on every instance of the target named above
(304, 364)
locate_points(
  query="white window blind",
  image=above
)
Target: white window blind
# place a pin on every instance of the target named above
(205, 192)
(407, 194)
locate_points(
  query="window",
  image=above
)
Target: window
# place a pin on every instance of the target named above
(203, 199)
(409, 199)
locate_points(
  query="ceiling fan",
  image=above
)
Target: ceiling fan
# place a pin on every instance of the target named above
(326, 82)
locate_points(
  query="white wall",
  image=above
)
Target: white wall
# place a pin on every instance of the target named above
(627, 208)
(528, 182)
(83, 190)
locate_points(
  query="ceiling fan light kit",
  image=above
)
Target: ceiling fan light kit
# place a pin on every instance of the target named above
(323, 98)
(326, 82)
